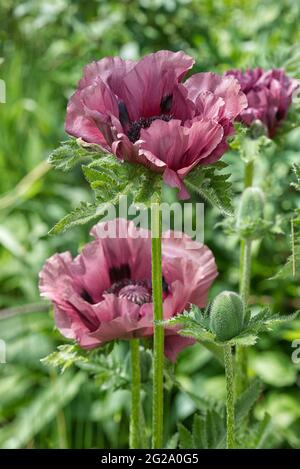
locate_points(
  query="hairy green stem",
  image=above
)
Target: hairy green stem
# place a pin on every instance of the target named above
(230, 417)
(248, 174)
(135, 424)
(293, 248)
(245, 277)
(246, 245)
(241, 352)
(158, 352)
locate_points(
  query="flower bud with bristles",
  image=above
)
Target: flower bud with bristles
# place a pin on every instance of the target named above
(258, 128)
(250, 217)
(227, 316)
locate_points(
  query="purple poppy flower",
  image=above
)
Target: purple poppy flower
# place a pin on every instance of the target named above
(142, 112)
(269, 95)
(105, 292)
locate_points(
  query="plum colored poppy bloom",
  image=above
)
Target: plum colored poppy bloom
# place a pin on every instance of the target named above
(143, 113)
(269, 95)
(105, 292)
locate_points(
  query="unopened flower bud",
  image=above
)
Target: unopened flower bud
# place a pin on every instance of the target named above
(250, 217)
(257, 129)
(227, 315)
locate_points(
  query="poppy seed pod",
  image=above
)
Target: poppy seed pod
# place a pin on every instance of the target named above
(227, 315)
(250, 217)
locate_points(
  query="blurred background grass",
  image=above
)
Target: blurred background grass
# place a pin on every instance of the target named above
(44, 45)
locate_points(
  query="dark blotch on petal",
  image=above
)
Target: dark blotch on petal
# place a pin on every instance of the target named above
(165, 286)
(123, 115)
(280, 115)
(166, 103)
(87, 297)
(88, 322)
(116, 274)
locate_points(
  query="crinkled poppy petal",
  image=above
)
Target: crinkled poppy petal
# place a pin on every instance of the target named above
(111, 70)
(168, 141)
(148, 159)
(99, 97)
(177, 299)
(61, 281)
(227, 88)
(172, 179)
(67, 288)
(92, 267)
(124, 149)
(63, 320)
(204, 137)
(235, 100)
(174, 344)
(56, 276)
(121, 319)
(125, 245)
(69, 323)
(249, 79)
(209, 106)
(99, 105)
(103, 123)
(78, 124)
(197, 266)
(182, 108)
(222, 147)
(150, 80)
(180, 148)
(177, 61)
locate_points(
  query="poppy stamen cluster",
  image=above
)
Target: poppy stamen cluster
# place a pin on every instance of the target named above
(144, 123)
(136, 291)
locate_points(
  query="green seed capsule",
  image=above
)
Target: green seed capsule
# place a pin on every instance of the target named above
(250, 217)
(227, 315)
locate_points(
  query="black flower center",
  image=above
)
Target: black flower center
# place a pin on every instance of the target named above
(143, 123)
(133, 128)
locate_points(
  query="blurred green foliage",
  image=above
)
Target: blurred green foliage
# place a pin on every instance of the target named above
(44, 45)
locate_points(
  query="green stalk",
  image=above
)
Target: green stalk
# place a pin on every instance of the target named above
(135, 424)
(158, 346)
(246, 245)
(245, 277)
(60, 419)
(248, 174)
(230, 417)
(241, 352)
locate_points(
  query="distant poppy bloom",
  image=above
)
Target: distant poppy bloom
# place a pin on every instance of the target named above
(105, 293)
(269, 95)
(143, 113)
